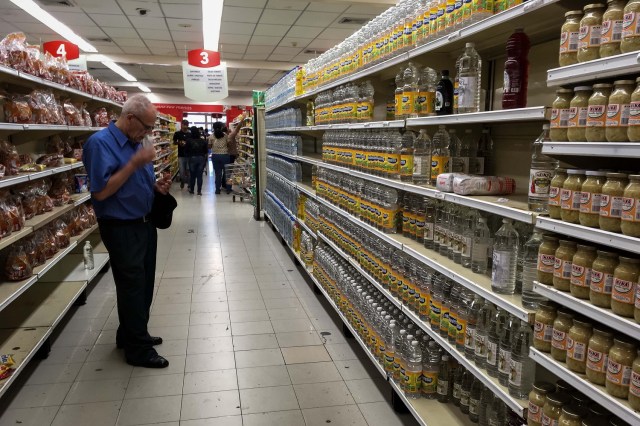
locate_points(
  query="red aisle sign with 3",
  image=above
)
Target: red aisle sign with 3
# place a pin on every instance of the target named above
(203, 58)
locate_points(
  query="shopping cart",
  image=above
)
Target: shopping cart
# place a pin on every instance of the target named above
(240, 177)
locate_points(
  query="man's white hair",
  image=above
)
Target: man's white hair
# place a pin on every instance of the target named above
(137, 105)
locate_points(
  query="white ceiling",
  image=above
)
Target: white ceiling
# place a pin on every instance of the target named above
(260, 38)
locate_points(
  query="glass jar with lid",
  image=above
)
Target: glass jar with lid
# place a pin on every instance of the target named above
(611, 201)
(630, 28)
(602, 271)
(590, 195)
(572, 416)
(555, 190)
(630, 216)
(569, 38)
(633, 130)
(590, 32)
(597, 113)
(597, 354)
(561, 327)
(619, 367)
(553, 407)
(634, 385)
(562, 265)
(570, 197)
(618, 111)
(581, 270)
(564, 388)
(560, 115)
(578, 110)
(625, 280)
(547, 259)
(537, 399)
(577, 342)
(543, 326)
(612, 20)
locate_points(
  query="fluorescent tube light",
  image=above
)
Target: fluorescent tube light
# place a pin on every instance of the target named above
(47, 19)
(143, 88)
(118, 70)
(212, 18)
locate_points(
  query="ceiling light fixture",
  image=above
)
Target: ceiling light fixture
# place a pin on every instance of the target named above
(212, 13)
(117, 68)
(47, 19)
(143, 88)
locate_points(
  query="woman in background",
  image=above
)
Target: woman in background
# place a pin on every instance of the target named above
(222, 145)
(197, 150)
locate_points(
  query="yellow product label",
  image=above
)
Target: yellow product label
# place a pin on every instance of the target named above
(429, 382)
(408, 105)
(420, 227)
(350, 111)
(433, 18)
(392, 163)
(449, 14)
(388, 218)
(439, 165)
(484, 6)
(412, 381)
(461, 331)
(424, 302)
(500, 5)
(444, 319)
(425, 103)
(412, 225)
(441, 20)
(405, 221)
(406, 165)
(436, 310)
(365, 111)
(389, 357)
(398, 104)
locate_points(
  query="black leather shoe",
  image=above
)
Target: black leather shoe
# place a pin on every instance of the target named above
(155, 361)
(155, 340)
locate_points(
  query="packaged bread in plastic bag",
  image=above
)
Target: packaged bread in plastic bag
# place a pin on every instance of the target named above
(17, 266)
(61, 230)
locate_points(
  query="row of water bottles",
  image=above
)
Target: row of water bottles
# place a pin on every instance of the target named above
(283, 190)
(349, 103)
(290, 117)
(282, 91)
(409, 356)
(288, 169)
(286, 144)
(279, 217)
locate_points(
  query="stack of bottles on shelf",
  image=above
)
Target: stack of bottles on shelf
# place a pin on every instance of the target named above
(311, 214)
(286, 144)
(282, 91)
(351, 103)
(410, 356)
(599, 31)
(605, 358)
(290, 117)
(283, 190)
(280, 217)
(306, 250)
(601, 112)
(288, 169)
(406, 156)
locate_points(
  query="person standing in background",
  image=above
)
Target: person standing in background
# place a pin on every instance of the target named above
(233, 144)
(180, 139)
(197, 149)
(219, 141)
(123, 187)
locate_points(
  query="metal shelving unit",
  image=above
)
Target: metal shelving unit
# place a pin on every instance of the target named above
(598, 69)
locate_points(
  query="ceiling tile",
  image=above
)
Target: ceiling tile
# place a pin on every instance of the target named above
(252, 49)
(188, 25)
(279, 17)
(237, 28)
(233, 48)
(231, 56)
(159, 44)
(264, 41)
(128, 42)
(114, 21)
(180, 11)
(287, 4)
(299, 42)
(246, 3)
(147, 22)
(19, 16)
(293, 51)
(240, 14)
(136, 50)
(256, 56)
(317, 19)
(186, 36)
(335, 33)
(326, 7)
(130, 8)
(102, 6)
(306, 32)
(70, 18)
(120, 32)
(322, 44)
(109, 49)
(281, 58)
(369, 9)
(265, 73)
(154, 34)
(234, 38)
(162, 51)
(270, 30)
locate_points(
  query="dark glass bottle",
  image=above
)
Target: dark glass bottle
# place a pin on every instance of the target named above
(444, 95)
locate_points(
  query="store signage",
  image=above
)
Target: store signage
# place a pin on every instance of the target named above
(60, 48)
(205, 77)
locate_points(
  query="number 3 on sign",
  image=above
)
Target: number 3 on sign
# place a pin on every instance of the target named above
(202, 58)
(205, 58)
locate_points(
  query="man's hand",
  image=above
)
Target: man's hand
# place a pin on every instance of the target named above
(163, 185)
(143, 156)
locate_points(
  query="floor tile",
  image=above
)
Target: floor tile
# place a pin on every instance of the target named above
(210, 362)
(68, 355)
(382, 414)
(291, 302)
(246, 316)
(210, 381)
(314, 372)
(168, 320)
(209, 318)
(303, 354)
(259, 358)
(366, 390)
(95, 414)
(341, 351)
(352, 370)
(256, 341)
(214, 421)
(209, 330)
(214, 296)
(287, 314)
(298, 338)
(54, 373)
(149, 410)
(277, 418)
(260, 377)
(315, 395)
(258, 400)
(244, 295)
(209, 345)
(285, 326)
(208, 307)
(154, 386)
(251, 327)
(29, 416)
(40, 395)
(171, 309)
(210, 404)
(347, 415)
(101, 370)
(245, 305)
(97, 391)
(169, 332)
(277, 294)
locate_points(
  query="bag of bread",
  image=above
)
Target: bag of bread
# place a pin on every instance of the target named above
(59, 191)
(61, 232)
(15, 211)
(100, 117)
(13, 51)
(18, 110)
(17, 266)
(50, 245)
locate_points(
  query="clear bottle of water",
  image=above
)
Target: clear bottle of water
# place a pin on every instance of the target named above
(469, 80)
(445, 385)
(482, 243)
(522, 367)
(486, 400)
(440, 153)
(481, 333)
(465, 391)
(421, 159)
(496, 413)
(469, 221)
(414, 371)
(504, 355)
(430, 367)
(471, 313)
(540, 174)
(390, 342)
(531, 299)
(457, 385)
(475, 399)
(505, 257)
(407, 156)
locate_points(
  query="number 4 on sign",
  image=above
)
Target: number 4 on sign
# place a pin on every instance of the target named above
(62, 48)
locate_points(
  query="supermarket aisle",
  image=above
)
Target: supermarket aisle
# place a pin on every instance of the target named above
(248, 341)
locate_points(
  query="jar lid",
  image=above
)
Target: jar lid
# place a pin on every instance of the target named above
(634, 177)
(629, 259)
(564, 387)
(594, 6)
(560, 170)
(616, 176)
(584, 88)
(595, 173)
(558, 398)
(573, 412)
(597, 410)
(562, 91)
(568, 243)
(564, 313)
(607, 253)
(548, 304)
(573, 13)
(603, 332)
(622, 82)
(602, 86)
(586, 247)
(582, 323)
(624, 342)
(580, 400)
(550, 238)
(544, 387)
(575, 171)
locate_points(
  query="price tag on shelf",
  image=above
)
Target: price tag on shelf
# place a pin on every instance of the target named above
(439, 195)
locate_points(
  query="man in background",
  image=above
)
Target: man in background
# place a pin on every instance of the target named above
(180, 139)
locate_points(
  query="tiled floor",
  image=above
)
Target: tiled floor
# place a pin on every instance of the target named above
(242, 331)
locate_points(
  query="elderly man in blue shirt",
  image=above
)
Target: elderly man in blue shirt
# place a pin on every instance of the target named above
(123, 184)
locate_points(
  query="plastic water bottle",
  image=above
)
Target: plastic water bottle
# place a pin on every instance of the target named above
(421, 159)
(414, 371)
(397, 360)
(486, 399)
(445, 385)
(88, 255)
(530, 299)
(465, 391)
(540, 174)
(389, 355)
(521, 366)
(475, 399)
(481, 247)
(430, 368)
(516, 71)
(505, 258)
(481, 334)
(440, 153)
(504, 355)
(469, 80)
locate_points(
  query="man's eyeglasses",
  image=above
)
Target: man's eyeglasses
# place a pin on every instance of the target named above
(146, 127)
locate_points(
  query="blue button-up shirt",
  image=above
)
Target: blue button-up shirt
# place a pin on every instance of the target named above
(106, 152)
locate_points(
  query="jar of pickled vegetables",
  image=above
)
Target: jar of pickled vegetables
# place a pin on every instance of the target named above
(597, 113)
(570, 197)
(578, 110)
(562, 265)
(630, 216)
(581, 271)
(634, 386)
(630, 27)
(590, 195)
(618, 111)
(602, 278)
(633, 130)
(611, 202)
(590, 32)
(553, 407)
(546, 259)
(619, 367)
(569, 38)
(561, 327)
(560, 115)
(625, 280)
(555, 190)
(572, 416)
(543, 326)
(577, 342)
(537, 399)
(612, 20)
(597, 355)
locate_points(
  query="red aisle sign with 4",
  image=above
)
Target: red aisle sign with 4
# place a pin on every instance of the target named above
(60, 48)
